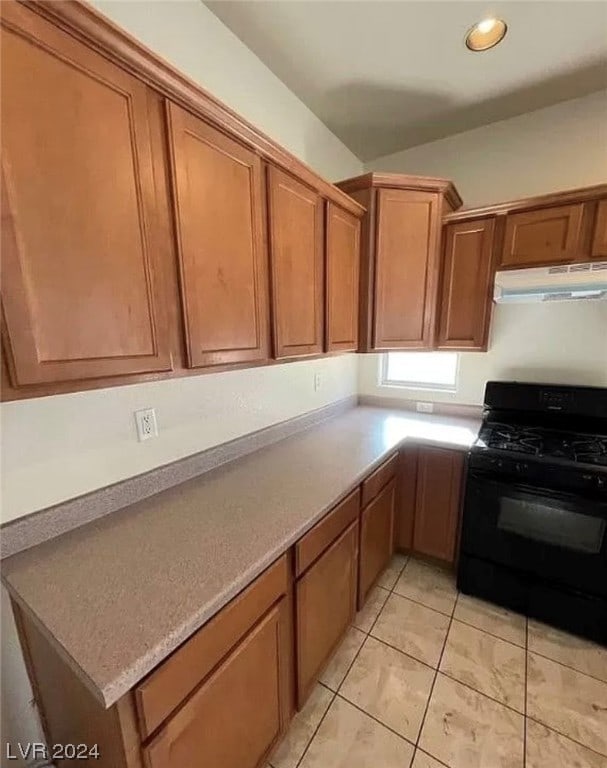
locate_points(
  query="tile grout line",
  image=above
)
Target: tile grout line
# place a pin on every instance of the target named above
(565, 736)
(440, 658)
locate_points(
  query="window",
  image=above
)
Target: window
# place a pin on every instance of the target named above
(420, 370)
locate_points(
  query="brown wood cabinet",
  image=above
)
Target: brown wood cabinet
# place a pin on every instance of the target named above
(235, 717)
(400, 258)
(219, 213)
(82, 295)
(296, 247)
(325, 600)
(174, 277)
(406, 491)
(437, 505)
(376, 539)
(599, 240)
(543, 237)
(342, 279)
(467, 272)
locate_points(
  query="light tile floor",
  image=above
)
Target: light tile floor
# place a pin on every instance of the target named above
(428, 678)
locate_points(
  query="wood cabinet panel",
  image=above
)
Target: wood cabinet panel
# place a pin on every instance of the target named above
(543, 237)
(406, 268)
(325, 599)
(439, 482)
(296, 247)
(81, 293)
(380, 477)
(467, 278)
(236, 716)
(376, 539)
(599, 239)
(168, 685)
(219, 214)
(406, 492)
(313, 544)
(343, 272)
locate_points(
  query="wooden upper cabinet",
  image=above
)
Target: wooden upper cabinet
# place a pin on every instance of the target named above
(219, 213)
(439, 482)
(599, 239)
(343, 263)
(296, 249)
(543, 237)
(467, 277)
(406, 269)
(400, 257)
(82, 294)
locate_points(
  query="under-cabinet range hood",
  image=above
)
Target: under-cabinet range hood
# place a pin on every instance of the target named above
(575, 282)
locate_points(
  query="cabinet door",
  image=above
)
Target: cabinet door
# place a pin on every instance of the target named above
(599, 240)
(376, 539)
(325, 605)
(406, 268)
(235, 717)
(467, 277)
(343, 264)
(543, 237)
(296, 247)
(81, 290)
(218, 200)
(439, 481)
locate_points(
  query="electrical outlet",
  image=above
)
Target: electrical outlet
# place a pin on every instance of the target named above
(146, 424)
(317, 382)
(425, 407)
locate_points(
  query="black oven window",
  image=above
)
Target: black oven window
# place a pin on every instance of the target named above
(543, 522)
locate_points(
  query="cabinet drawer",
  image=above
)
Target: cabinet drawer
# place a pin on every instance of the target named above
(326, 531)
(159, 694)
(235, 717)
(325, 605)
(376, 481)
(376, 539)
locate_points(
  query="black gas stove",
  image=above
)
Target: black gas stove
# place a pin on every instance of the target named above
(534, 533)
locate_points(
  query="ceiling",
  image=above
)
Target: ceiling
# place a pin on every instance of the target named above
(384, 76)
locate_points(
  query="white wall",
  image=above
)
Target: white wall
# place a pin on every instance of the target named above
(57, 447)
(561, 147)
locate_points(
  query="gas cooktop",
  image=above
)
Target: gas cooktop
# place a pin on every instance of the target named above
(543, 443)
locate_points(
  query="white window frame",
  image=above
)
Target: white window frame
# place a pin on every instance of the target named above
(384, 381)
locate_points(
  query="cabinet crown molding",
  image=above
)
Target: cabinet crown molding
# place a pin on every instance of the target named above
(578, 195)
(404, 181)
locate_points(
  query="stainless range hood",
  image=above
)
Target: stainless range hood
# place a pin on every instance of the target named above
(575, 282)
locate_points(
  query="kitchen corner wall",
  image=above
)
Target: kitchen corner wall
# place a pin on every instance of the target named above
(57, 447)
(557, 148)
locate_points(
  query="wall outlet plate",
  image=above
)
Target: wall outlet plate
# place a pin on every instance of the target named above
(317, 381)
(146, 424)
(424, 407)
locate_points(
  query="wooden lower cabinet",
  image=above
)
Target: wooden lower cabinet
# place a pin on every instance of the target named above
(376, 539)
(325, 602)
(438, 491)
(406, 486)
(235, 717)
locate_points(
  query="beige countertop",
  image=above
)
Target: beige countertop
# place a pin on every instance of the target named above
(118, 595)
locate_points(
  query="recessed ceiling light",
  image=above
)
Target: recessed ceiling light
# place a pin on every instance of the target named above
(486, 34)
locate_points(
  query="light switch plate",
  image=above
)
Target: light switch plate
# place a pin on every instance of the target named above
(146, 424)
(425, 407)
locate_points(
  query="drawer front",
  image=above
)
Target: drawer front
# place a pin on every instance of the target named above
(159, 694)
(543, 237)
(378, 479)
(325, 606)
(376, 539)
(234, 718)
(314, 543)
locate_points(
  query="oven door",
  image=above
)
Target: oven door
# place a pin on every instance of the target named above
(547, 533)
